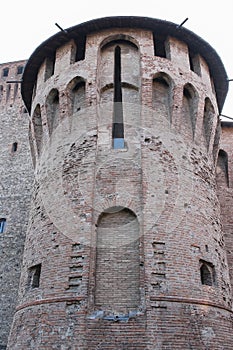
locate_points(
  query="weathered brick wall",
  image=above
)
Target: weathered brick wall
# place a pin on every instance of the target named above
(165, 177)
(15, 190)
(224, 181)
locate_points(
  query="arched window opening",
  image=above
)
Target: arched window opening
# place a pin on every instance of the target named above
(207, 273)
(34, 276)
(208, 121)
(52, 110)
(38, 130)
(117, 261)
(77, 93)
(222, 176)
(162, 96)
(118, 125)
(189, 111)
(119, 85)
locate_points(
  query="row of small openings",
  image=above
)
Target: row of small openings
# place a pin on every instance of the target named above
(2, 225)
(161, 50)
(77, 54)
(8, 91)
(5, 71)
(207, 270)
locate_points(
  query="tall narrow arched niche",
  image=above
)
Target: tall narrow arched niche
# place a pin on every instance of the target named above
(119, 82)
(208, 121)
(222, 176)
(162, 96)
(216, 140)
(38, 129)
(52, 110)
(189, 111)
(31, 144)
(117, 261)
(77, 94)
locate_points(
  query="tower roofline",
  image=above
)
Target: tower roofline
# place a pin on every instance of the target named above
(166, 28)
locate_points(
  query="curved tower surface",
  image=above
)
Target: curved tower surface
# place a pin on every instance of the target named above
(124, 248)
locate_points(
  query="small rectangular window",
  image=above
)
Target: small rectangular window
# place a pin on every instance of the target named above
(194, 63)
(2, 225)
(5, 72)
(19, 69)
(50, 65)
(34, 276)
(159, 45)
(14, 147)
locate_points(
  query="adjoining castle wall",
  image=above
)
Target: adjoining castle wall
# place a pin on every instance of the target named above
(224, 176)
(15, 189)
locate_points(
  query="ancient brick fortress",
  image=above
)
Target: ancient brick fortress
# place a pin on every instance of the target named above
(129, 234)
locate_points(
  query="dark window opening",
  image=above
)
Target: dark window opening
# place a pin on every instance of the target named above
(34, 276)
(1, 92)
(50, 65)
(207, 273)
(14, 147)
(81, 48)
(56, 98)
(118, 126)
(5, 72)
(78, 85)
(191, 63)
(161, 81)
(187, 94)
(159, 45)
(2, 225)
(19, 69)
(194, 63)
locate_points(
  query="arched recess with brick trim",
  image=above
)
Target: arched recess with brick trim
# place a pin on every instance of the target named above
(117, 261)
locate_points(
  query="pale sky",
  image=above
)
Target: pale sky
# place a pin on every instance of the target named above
(25, 24)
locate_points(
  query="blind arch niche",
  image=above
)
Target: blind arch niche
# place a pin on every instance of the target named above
(117, 261)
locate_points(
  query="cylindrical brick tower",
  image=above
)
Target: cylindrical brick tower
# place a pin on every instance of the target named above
(124, 248)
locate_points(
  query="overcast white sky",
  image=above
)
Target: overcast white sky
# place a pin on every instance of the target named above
(25, 24)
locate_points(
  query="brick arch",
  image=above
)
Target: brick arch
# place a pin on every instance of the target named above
(119, 38)
(52, 110)
(117, 261)
(189, 111)
(162, 97)
(208, 118)
(76, 91)
(37, 128)
(222, 175)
